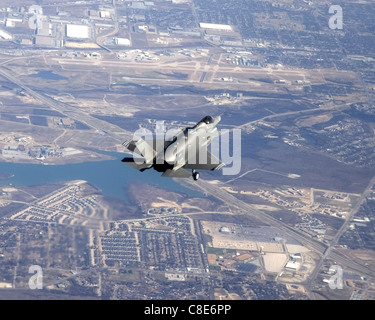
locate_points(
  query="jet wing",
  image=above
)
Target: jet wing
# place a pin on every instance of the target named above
(210, 161)
(132, 163)
(147, 147)
(179, 173)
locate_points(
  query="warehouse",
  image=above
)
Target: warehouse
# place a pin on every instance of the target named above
(5, 35)
(215, 26)
(77, 31)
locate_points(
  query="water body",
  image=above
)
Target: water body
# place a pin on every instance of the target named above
(110, 176)
(48, 75)
(4, 176)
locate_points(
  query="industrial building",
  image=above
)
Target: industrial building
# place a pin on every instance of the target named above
(122, 42)
(77, 31)
(5, 35)
(294, 265)
(224, 230)
(215, 26)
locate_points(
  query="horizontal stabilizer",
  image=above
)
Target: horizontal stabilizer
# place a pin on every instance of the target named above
(139, 166)
(179, 173)
(141, 147)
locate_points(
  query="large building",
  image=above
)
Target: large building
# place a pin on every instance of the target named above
(122, 42)
(5, 35)
(215, 26)
(78, 31)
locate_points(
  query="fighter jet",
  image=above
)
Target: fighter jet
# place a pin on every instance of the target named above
(186, 149)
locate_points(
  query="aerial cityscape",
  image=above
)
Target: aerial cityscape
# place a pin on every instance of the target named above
(295, 77)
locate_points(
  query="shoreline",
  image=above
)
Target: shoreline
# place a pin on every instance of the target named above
(57, 162)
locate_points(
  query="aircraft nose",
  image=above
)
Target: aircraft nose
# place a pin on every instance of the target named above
(217, 119)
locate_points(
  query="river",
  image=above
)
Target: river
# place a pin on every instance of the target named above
(111, 176)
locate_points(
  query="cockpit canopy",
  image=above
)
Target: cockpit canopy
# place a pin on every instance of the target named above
(207, 120)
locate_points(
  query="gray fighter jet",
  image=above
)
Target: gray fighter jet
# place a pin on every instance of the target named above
(186, 149)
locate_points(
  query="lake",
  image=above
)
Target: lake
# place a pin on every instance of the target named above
(110, 176)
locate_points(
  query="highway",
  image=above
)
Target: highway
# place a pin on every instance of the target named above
(325, 251)
(338, 257)
(248, 209)
(70, 111)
